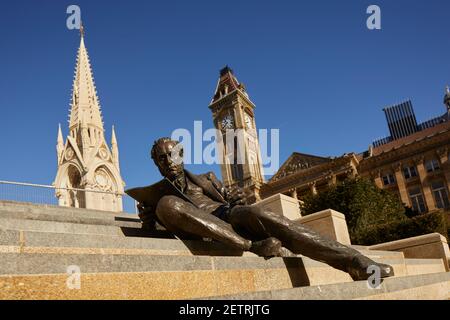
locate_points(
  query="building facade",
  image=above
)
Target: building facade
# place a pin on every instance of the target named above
(302, 174)
(88, 173)
(414, 166)
(412, 163)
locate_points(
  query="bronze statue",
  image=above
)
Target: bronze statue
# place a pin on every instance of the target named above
(203, 208)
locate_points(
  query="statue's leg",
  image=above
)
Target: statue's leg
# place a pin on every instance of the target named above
(178, 216)
(302, 240)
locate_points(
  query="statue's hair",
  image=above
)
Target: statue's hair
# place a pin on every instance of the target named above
(158, 142)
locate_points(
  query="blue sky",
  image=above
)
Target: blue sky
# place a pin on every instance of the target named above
(312, 68)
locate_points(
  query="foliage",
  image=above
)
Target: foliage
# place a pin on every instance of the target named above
(419, 225)
(363, 204)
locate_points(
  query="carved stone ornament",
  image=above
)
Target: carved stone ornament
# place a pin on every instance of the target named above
(102, 180)
(103, 154)
(69, 154)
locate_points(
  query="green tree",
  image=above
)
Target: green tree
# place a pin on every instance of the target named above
(363, 204)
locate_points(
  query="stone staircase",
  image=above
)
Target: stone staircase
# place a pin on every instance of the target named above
(118, 260)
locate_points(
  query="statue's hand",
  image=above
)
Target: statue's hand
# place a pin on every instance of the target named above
(143, 211)
(146, 216)
(236, 196)
(140, 208)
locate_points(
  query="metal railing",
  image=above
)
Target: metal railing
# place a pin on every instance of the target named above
(430, 123)
(46, 194)
(382, 141)
(421, 126)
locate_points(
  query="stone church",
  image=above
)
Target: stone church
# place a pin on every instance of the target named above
(88, 174)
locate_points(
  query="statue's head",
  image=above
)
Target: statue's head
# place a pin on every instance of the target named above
(168, 157)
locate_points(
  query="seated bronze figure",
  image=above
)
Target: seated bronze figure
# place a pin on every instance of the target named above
(222, 215)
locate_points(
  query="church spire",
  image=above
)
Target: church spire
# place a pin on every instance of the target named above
(82, 30)
(86, 161)
(85, 103)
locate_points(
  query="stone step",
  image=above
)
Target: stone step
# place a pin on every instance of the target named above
(35, 263)
(277, 272)
(424, 266)
(30, 211)
(66, 227)
(120, 229)
(27, 216)
(51, 242)
(47, 225)
(218, 284)
(434, 286)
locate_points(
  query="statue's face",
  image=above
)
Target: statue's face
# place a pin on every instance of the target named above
(169, 159)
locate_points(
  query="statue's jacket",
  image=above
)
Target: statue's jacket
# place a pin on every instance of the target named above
(212, 187)
(210, 184)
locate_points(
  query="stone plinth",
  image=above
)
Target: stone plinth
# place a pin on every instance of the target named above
(38, 243)
(429, 246)
(281, 204)
(329, 223)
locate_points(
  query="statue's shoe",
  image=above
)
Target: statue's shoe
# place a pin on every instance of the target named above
(270, 247)
(359, 268)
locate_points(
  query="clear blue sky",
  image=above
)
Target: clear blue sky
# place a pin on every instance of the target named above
(312, 68)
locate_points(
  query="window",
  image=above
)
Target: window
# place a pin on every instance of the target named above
(432, 165)
(440, 194)
(388, 179)
(417, 201)
(409, 172)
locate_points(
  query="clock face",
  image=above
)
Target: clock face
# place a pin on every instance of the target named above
(228, 122)
(248, 121)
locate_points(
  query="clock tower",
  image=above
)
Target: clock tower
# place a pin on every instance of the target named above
(234, 117)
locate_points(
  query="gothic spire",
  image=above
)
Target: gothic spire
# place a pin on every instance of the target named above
(86, 161)
(85, 103)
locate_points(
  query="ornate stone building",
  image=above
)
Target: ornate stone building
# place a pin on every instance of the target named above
(415, 167)
(302, 174)
(85, 161)
(413, 162)
(234, 116)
